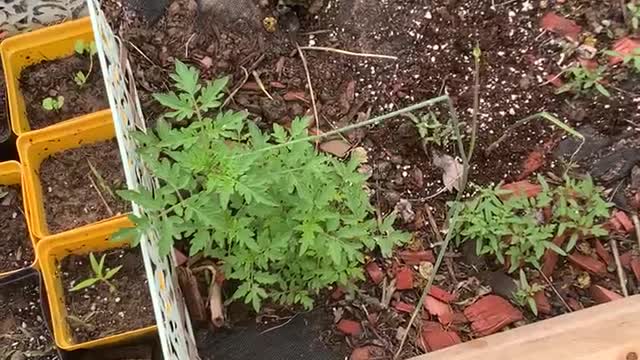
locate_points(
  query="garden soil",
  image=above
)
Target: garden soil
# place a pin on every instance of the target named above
(75, 195)
(16, 251)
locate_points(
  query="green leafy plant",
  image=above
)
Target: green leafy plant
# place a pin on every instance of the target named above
(84, 49)
(100, 276)
(634, 13)
(505, 225)
(281, 218)
(632, 58)
(433, 131)
(524, 295)
(53, 104)
(581, 80)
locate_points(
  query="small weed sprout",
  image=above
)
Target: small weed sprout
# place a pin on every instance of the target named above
(84, 49)
(433, 131)
(524, 296)
(581, 80)
(632, 59)
(634, 13)
(100, 275)
(53, 104)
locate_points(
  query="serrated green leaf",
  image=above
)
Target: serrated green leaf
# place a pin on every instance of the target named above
(186, 78)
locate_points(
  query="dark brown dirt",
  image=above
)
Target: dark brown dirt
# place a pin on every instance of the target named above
(96, 312)
(433, 42)
(70, 198)
(16, 251)
(55, 78)
(4, 119)
(22, 328)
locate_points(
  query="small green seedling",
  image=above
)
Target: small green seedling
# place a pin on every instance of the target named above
(100, 275)
(581, 80)
(84, 49)
(53, 104)
(632, 59)
(634, 13)
(433, 131)
(524, 296)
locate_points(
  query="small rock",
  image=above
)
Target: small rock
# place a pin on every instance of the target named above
(602, 295)
(349, 327)
(490, 314)
(404, 279)
(375, 273)
(405, 210)
(589, 264)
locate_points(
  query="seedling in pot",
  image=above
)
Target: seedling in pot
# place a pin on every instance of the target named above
(82, 49)
(524, 296)
(433, 131)
(53, 104)
(100, 275)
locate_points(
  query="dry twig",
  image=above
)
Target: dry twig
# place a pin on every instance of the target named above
(104, 201)
(350, 53)
(311, 93)
(619, 269)
(260, 84)
(235, 91)
(546, 279)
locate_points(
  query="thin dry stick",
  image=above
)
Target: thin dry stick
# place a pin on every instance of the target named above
(619, 270)
(186, 46)
(260, 84)
(311, 93)
(451, 215)
(546, 279)
(350, 53)
(235, 91)
(104, 201)
(434, 227)
(477, 53)
(142, 53)
(636, 224)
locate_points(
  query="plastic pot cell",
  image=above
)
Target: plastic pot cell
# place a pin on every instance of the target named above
(26, 327)
(57, 252)
(43, 45)
(39, 146)
(15, 241)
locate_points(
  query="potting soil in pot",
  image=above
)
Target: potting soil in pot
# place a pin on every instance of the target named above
(56, 78)
(23, 332)
(100, 310)
(16, 250)
(79, 186)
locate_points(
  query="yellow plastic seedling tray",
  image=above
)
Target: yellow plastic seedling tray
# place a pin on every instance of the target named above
(11, 174)
(20, 51)
(51, 251)
(36, 146)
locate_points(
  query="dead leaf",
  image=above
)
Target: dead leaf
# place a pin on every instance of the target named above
(404, 208)
(425, 269)
(338, 148)
(452, 170)
(360, 154)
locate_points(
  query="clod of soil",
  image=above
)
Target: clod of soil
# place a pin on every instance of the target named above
(74, 193)
(16, 251)
(97, 312)
(55, 78)
(22, 328)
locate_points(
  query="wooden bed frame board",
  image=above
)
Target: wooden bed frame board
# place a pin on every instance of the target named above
(605, 332)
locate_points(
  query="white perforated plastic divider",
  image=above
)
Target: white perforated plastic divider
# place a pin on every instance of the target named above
(22, 15)
(174, 326)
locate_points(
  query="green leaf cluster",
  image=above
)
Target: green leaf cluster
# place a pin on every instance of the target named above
(524, 295)
(53, 104)
(581, 80)
(434, 132)
(505, 225)
(281, 218)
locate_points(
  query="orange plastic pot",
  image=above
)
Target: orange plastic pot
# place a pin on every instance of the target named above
(36, 146)
(11, 174)
(20, 51)
(82, 241)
